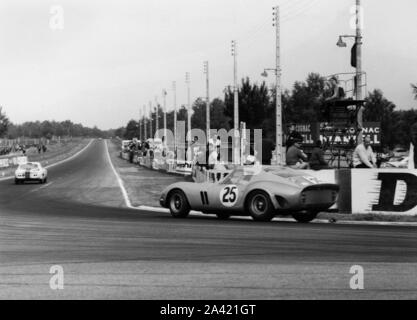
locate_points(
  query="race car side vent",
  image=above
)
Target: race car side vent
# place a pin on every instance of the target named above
(281, 201)
(204, 198)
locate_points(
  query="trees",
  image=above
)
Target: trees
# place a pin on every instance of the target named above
(379, 109)
(304, 102)
(132, 130)
(254, 100)
(414, 87)
(4, 122)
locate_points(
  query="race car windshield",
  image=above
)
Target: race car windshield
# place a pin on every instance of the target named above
(28, 166)
(238, 176)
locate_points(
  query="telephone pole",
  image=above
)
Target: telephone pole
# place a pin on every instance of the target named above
(140, 124)
(150, 122)
(174, 89)
(156, 118)
(144, 121)
(187, 81)
(206, 71)
(164, 96)
(236, 152)
(280, 156)
(358, 42)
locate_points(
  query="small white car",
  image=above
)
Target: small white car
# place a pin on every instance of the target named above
(31, 171)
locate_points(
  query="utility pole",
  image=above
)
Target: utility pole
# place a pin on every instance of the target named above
(156, 118)
(187, 81)
(140, 125)
(144, 121)
(236, 105)
(150, 122)
(174, 89)
(206, 71)
(280, 156)
(164, 96)
(358, 42)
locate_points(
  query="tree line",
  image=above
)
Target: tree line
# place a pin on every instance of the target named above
(46, 129)
(302, 104)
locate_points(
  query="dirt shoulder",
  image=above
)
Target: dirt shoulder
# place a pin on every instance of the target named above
(143, 185)
(54, 154)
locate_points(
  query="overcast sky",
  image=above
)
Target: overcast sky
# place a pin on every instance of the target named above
(113, 56)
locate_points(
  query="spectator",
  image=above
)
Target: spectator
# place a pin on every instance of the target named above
(44, 148)
(218, 146)
(363, 156)
(212, 160)
(412, 157)
(296, 158)
(338, 92)
(293, 136)
(317, 161)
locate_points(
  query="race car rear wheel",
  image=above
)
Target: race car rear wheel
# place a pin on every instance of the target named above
(259, 206)
(305, 216)
(178, 204)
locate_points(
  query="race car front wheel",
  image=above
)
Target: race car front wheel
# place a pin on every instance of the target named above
(259, 206)
(178, 204)
(305, 216)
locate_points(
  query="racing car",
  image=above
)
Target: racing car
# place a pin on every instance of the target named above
(259, 193)
(31, 171)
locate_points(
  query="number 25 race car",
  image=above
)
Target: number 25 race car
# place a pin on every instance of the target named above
(262, 194)
(31, 171)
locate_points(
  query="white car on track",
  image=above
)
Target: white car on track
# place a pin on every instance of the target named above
(31, 171)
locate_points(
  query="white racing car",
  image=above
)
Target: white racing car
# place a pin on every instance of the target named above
(31, 171)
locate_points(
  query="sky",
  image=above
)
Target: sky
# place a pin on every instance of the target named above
(98, 62)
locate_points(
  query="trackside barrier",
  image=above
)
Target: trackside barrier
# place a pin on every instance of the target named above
(384, 191)
(374, 191)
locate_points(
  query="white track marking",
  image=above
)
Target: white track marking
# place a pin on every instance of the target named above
(119, 180)
(59, 162)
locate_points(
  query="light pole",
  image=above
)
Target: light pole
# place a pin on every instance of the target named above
(164, 96)
(236, 105)
(358, 58)
(140, 124)
(156, 118)
(150, 122)
(206, 71)
(174, 89)
(144, 121)
(187, 81)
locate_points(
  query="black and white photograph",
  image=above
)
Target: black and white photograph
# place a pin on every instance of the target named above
(208, 155)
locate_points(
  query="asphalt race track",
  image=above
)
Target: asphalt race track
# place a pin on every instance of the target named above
(79, 221)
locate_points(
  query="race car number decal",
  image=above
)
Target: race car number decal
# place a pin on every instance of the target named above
(228, 196)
